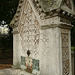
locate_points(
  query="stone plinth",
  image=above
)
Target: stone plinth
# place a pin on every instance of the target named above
(12, 71)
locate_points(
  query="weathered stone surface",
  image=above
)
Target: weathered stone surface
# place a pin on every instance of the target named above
(65, 52)
(49, 5)
(42, 36)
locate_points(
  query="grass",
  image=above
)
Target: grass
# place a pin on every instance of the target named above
(73, 48)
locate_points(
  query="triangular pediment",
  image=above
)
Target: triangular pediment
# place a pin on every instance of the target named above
(25, 9)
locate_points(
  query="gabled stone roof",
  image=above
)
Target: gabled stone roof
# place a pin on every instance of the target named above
(47, 9)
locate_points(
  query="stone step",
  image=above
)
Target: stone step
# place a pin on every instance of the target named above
(12, 71)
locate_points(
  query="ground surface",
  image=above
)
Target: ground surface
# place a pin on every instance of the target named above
(12, 71)
(6, 60)
(5, 66)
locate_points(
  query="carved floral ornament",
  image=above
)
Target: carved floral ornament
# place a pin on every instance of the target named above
(46, 9)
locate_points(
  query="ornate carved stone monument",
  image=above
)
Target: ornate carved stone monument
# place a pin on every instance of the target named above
(41, 36)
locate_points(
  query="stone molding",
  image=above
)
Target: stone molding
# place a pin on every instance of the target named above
(61, 25)
(15, 32)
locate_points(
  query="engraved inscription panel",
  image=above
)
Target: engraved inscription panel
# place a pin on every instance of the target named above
(65, 53)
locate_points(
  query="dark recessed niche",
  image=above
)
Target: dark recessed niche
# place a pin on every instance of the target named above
(28, 53)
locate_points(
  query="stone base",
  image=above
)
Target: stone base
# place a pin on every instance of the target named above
(12, 71)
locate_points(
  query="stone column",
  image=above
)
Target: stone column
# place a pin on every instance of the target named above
(16, 49)
(56, 48)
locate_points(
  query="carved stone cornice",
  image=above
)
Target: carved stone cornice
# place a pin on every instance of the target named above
(15, 32)
(66, 14)
(60, 25)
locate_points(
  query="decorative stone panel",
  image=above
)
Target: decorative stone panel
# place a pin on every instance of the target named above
(65, 53)
(29, 30)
